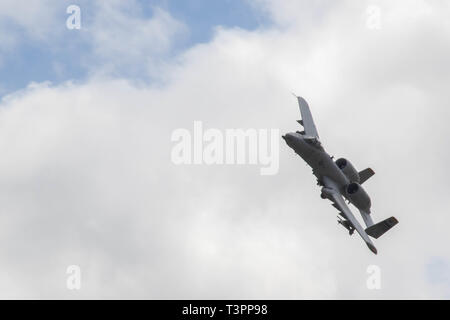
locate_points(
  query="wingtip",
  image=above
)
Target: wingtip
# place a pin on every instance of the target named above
(372, 248)
(299, 98)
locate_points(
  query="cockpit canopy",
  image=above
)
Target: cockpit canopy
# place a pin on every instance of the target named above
(314, 142)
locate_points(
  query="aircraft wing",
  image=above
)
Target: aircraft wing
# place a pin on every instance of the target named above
(307, 119)
(332, 193)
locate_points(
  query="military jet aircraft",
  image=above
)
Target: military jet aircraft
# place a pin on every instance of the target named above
(339, 179)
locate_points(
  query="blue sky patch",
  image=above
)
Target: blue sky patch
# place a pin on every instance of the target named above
(67, 57)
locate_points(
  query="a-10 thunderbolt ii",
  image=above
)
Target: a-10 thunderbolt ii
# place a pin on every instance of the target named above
(339, 179)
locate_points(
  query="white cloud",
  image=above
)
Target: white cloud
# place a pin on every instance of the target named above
(86, 176)
(26, 21)
(36, 18)
(123, 40)
(116, 37)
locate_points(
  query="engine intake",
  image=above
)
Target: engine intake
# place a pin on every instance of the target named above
(358, 196)
(348, 169)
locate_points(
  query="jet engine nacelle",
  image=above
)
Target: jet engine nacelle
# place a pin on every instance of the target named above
(358, 196)
(348, 169)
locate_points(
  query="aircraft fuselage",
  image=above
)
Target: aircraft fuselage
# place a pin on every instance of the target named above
(317, 158)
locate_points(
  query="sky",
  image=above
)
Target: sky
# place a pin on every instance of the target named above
(87, 116)
(43, 49)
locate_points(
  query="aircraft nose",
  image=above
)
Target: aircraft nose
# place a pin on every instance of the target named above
(287, 137)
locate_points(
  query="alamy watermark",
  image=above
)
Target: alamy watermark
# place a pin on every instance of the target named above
(374, 280)
(74, 20)
(373, 20)
(227, 147)
(73, 281)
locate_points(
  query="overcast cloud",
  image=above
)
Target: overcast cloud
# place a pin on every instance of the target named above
(86, 176)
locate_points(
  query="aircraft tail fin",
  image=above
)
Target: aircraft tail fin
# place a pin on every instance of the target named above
(365, 175)
(377, 230)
